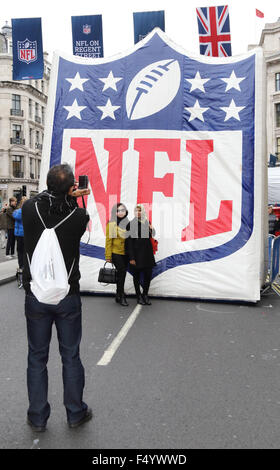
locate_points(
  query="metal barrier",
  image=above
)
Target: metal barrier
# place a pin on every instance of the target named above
(270, 240)
(273, 263)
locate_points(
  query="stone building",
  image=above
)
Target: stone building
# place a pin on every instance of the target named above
(270, 42)
(22, 118)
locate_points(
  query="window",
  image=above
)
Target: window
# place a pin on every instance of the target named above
(39, 168)
(277, 109)
(38, 145)
(43, 115)
(17, 166)
(16, 106)
(43, 86)
(30, 137)
(277, 82)
(37, 117)
(32, 165)
(16, 102)
(278, 146)
(16, 134)
(30, 108)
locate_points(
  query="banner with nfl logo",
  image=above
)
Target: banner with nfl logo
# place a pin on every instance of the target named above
(87, 36)
(28, 58)
(144, 22)
(182, 134)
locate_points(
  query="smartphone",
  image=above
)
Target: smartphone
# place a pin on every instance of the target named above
(83, 182)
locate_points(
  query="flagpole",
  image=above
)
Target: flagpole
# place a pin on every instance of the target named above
(255, 31)
(259, 21)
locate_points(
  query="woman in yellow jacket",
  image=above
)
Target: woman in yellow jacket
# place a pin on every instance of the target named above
(115, 247)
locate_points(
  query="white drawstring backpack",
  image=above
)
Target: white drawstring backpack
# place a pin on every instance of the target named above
(49, 276)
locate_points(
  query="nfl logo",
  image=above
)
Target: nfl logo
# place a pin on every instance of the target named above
(180, 135)
(86, 28)
(27, 51)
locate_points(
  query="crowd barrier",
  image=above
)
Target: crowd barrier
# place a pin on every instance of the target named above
(273, 265)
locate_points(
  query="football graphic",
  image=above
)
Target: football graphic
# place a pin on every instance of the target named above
(153, 88)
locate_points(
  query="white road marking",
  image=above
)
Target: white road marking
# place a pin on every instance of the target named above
(109, 353)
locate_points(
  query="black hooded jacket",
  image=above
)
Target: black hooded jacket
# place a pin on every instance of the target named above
(68, 234)
(138, 244)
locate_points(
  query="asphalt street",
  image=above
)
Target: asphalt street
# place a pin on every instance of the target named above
(187, 375)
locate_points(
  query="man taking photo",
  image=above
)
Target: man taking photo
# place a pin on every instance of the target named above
(54, 205)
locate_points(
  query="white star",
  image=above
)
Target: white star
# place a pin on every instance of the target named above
(196, 112)
(108, 110)
(74, 110)
(77, 82)
(232, 111)
(233, 81)
(197, 82)
(110, 81)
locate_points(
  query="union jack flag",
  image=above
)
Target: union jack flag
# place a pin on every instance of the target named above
(214, 31)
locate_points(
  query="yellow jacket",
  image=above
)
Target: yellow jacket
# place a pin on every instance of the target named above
(115, 240)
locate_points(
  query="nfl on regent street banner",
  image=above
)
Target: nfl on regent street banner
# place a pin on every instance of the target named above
(28, 58)
(145, 22)
(182, 134)
(87, 36)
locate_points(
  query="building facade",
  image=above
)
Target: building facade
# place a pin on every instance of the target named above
(22, 119)
(270, 42)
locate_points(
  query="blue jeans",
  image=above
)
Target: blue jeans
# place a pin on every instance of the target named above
(67, 318)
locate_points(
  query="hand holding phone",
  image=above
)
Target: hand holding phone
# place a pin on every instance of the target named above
(83, 182)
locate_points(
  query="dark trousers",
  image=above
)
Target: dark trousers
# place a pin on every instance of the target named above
(120, 262)
(10, 241)
(20, 249)
(147, 276)
(67, 318)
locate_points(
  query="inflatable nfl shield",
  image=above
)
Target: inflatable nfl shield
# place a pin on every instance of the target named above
(181, 134)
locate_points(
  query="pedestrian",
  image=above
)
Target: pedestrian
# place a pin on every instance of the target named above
(3, 227)
(276, 228)
(54, 205)
(140, 252)
(10, 247)
(115, 247)
(271, 220)
(17, 215)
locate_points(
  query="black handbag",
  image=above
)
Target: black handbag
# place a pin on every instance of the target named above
(107, 275)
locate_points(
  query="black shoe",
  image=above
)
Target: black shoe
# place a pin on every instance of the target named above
(83, 420)
(117, 298)
(36, 428)
(146, 300)
(19, 278)
(140, 300)
(123, 301)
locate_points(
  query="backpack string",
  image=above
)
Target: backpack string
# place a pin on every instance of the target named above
(61, 222)
(36, 205)
(66, 200)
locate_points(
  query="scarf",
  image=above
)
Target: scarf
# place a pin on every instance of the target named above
(143, 219)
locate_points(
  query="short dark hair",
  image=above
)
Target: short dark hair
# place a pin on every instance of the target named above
(60, 178)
